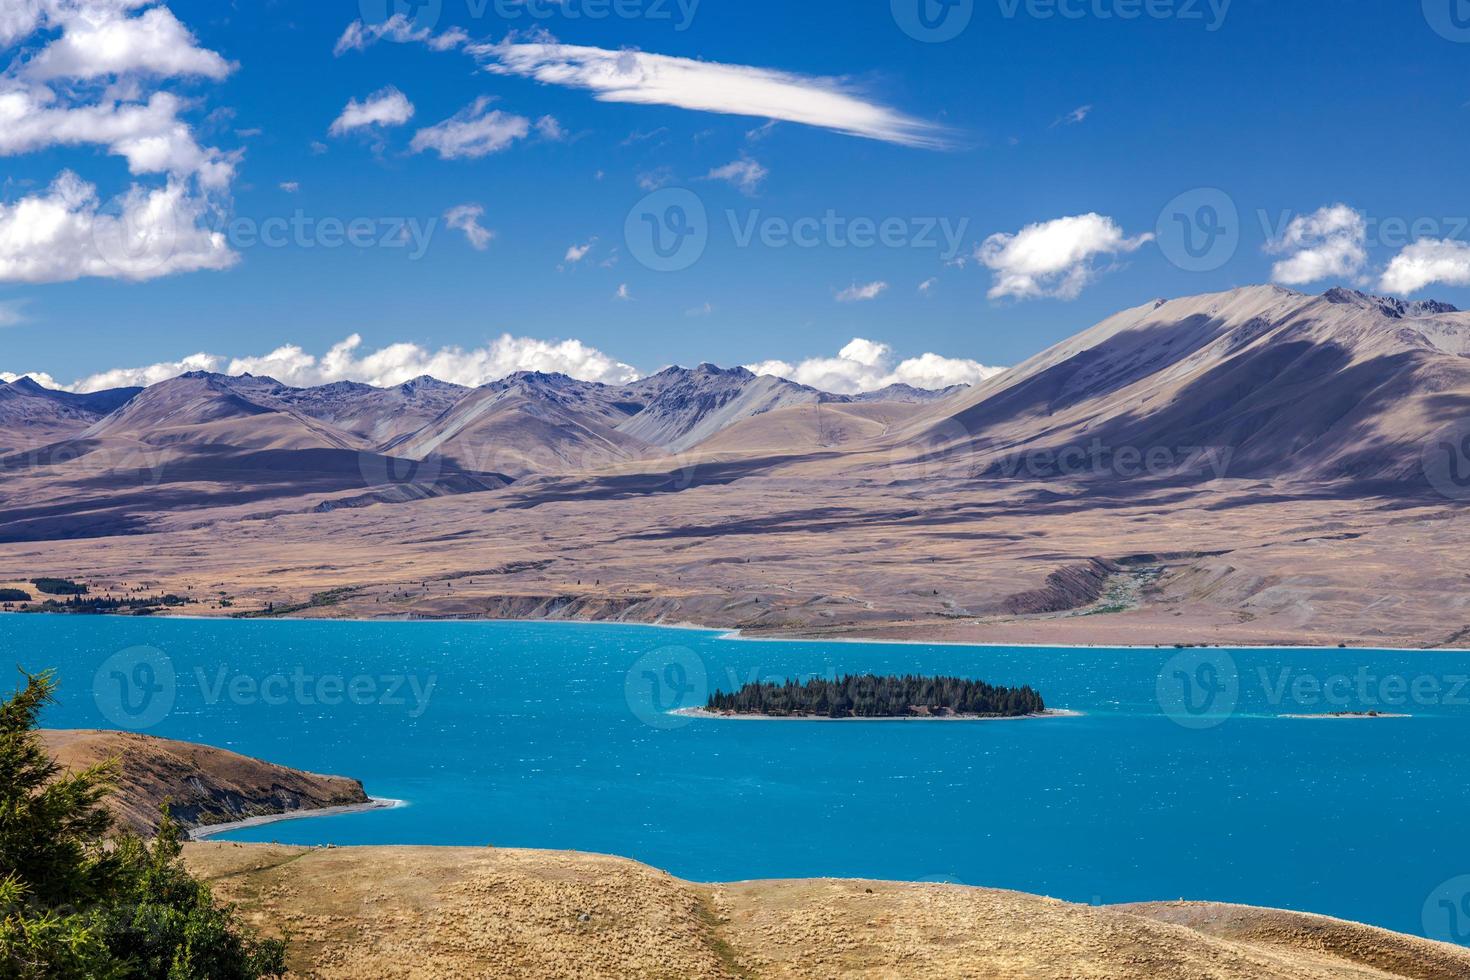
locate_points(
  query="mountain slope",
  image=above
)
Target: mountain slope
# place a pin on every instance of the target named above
(1271, 383)
(530, 423)
(32, 416)
(684, 406)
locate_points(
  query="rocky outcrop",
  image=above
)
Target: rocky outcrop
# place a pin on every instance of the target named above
(203, 785)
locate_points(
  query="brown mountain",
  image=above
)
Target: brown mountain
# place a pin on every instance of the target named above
(1261, 382)
(32, 415)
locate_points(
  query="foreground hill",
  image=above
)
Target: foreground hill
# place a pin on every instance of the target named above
(436, 912)
(202, 785)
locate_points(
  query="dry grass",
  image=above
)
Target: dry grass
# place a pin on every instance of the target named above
(437, 912)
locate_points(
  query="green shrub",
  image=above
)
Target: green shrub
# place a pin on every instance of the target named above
(76, 901)
(59, 586)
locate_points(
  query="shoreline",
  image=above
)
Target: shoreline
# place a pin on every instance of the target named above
(214, 829)
(731, 716)
(736, 634)
(1345, 716)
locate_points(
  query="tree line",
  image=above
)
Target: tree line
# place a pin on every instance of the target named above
(870, 696)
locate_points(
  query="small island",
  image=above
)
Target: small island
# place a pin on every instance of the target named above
(867, 696)
(1348, 715)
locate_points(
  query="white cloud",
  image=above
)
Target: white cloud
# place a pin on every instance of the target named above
(623, 293)
(290, 186)
(104, 41)
(1328, 244)
(928, 284)
(655, 79)
(398, 29)
(1074, 117)
(1052, 258)
(861, 293)
(65, 234)
(144, 376)
(1426, 262)
(385, 107)
(549, 129)
(466, 218)
(866, 365)
(150, 136)
(744, 173)
(576, 253)
(388, 366)
(474, 132)
(68, 232)
(39, 377)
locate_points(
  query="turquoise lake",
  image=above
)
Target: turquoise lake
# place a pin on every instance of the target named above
(1182, 779)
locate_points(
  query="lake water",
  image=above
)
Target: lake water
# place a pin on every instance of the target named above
(1181, 780)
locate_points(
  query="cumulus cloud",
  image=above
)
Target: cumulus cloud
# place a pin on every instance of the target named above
(105, 41)
(866, 365)
(388, 366)
(52, 100)
(65, 234)
(398, 29)
(1053, 258)
(385, 107)
(706, 86)
(474, 132)
(861, 293)
(1427, 262)
(745, 173)
(1328, 244)
(466, 218)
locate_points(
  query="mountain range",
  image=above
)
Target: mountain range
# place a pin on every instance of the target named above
(1212, 440)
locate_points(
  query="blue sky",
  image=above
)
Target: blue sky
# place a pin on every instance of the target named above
(1020, 120)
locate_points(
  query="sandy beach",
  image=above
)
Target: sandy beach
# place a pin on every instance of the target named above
(375, 803)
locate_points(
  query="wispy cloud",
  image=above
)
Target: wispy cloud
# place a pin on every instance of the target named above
(745, 174)
(859, 293)
(385, 107)
(476, 131)
(466, 218)
(655, 79)
(1074, 117)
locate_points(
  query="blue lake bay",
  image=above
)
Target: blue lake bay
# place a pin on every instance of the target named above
(555, 736)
